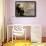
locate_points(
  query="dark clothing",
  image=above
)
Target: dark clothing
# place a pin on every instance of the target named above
(19, 11)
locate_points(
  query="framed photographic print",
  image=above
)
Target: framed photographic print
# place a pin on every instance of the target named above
(25, 8)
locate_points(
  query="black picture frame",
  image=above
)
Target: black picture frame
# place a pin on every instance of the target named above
(26, 9)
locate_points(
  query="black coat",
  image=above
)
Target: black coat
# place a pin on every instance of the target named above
(20, 11)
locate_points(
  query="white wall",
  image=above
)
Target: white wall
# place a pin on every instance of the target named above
(1, 17)
(39, 19)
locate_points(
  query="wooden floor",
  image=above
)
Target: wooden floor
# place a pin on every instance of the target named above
(23, 43)
(18, 43)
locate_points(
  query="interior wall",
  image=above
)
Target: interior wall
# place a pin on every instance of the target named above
(39, 19)
(1, 20)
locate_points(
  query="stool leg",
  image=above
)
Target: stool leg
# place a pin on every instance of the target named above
(12, 36)
(7, 34)
(15, 38)
(2, 44)
(25, 38)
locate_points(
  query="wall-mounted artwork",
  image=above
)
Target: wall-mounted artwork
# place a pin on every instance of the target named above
(25, 8)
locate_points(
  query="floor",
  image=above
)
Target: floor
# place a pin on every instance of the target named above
(18, 43)
(23, 43)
